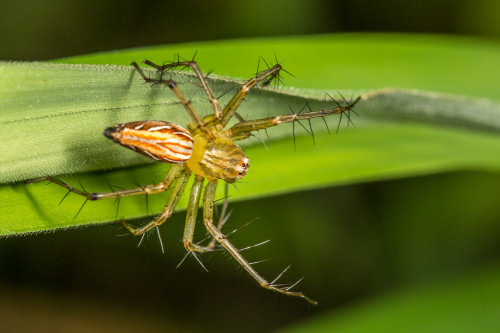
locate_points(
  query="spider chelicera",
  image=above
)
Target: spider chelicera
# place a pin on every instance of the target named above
(207, 149)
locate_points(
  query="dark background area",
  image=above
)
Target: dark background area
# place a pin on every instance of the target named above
(352, 242)
(47, 29)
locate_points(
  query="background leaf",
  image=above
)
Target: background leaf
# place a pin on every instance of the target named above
(453, 305)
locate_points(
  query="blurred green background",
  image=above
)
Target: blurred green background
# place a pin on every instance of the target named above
(353, 243)
(47, 29)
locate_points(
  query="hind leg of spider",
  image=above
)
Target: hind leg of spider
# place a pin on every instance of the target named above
(169, 208)
(162, 186)
(222, 239)
(243, 129)
(203, 80)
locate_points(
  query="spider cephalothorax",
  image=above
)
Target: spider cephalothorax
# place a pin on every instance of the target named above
(220, 159)
(208, 150)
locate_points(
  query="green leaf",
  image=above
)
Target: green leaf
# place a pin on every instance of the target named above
(459, 305)
(53, 116)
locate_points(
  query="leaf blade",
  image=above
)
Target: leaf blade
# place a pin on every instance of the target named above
(400, 132)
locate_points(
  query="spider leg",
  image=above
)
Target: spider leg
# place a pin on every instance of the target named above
(224, 216)
(204, 84)
(188, 235)
(191, 213)
(222, 239)
(242, 130)
(235, 102)
(198, 124)
(147, 189)
(168, 209)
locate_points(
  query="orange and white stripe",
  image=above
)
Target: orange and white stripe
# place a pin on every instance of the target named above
(159, 140)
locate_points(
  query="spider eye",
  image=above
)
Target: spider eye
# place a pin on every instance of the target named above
(244, 163)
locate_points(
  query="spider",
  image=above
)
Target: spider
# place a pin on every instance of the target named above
(207, 149)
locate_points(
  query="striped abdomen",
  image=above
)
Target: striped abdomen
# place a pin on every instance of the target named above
(158, 140)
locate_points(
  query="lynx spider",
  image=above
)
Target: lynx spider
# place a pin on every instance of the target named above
(205, 149)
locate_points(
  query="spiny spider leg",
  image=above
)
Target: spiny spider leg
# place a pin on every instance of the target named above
(240, 95)
(168, 210)
(147, 189)
(191, 213)
(199, 125)
(276, 76)
(222, 239)
(223, 217)
(193, 206)
(204, 84)
(242, 130)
